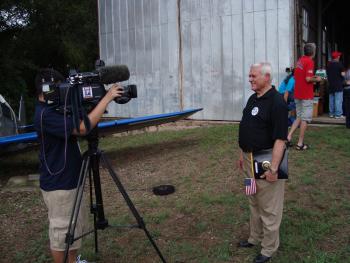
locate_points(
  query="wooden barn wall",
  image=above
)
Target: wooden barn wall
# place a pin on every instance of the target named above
(194, 53)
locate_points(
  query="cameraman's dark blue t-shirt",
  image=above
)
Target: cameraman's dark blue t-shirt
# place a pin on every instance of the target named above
(60, 161)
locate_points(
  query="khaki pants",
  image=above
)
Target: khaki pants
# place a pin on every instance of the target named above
(266, 208)
(59, 204)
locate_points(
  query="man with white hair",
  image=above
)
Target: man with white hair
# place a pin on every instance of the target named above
(264, 125)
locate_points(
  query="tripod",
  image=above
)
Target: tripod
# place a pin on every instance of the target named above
(90, 166)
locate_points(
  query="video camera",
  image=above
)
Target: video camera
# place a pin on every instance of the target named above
(86, 89)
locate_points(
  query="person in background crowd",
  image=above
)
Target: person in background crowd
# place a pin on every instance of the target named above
(335, 76)
(286, 88)
(304, 94)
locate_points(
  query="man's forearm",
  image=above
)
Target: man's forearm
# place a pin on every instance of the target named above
(277, 154)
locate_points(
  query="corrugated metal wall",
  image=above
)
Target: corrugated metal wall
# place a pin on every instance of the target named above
(194, 53)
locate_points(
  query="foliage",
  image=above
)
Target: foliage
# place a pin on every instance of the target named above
(39, 33)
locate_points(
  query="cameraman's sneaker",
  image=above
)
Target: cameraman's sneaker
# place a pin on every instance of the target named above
(80, 260)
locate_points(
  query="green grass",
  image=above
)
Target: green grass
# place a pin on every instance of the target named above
(206, 216)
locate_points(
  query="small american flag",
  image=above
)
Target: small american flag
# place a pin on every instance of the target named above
(250, 186)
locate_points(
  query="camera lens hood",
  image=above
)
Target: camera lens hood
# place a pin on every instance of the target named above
(164, 189)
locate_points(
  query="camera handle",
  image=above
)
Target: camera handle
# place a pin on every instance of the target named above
(90, 166)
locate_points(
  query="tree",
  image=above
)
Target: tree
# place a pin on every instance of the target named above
(41, 33)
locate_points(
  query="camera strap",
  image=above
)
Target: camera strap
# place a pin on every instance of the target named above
(43, 144)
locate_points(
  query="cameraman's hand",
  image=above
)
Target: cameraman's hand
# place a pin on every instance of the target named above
(95, 115)
(115, 91)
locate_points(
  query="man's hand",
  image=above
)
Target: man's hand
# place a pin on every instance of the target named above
(314, 79)
(270, 175)
(116, 91)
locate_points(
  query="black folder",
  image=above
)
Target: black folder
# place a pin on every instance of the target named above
(262, 161)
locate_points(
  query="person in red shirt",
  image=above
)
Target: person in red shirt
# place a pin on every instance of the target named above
(304, 93)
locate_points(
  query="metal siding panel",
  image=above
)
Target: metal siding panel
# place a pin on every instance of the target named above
(248, 6)
(259, 36)
(272, 41)
(271, 4)
(205, 9)
(249, 52)
(259, 5)
(185, 10)
(284, 32)
(173, 74)
(102, 29)
(138, 14)
(103, 44)
(108, 16)
(173, 40)
(165, 83)
(155, 17)
(196, 88)
(172, 11)
(227, 68)
(221, 7)
(124, 48)
(187, 63)
(102, 16)
(196, 9)
(147, 12)
(191, 61)
(218, 49)
(123, 14)
(148, 50)
(164, 11)
(206, 69)
(116, 32)
(283, 4)
(131, 14)
(216, 81)
(131, 62)
(155, 40)
(140, 51)
(238, 73)
(236, 7)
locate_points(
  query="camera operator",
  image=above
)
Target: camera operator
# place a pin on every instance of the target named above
(60, 162)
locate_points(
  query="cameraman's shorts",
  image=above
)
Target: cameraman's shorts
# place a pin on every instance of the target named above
(304, 109)
(59, 204)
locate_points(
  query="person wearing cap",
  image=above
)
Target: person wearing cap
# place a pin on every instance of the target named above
(304, 94)
(335, 76)
(60, 162)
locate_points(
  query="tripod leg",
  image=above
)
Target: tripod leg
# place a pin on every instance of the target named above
(93, 211)
(131, 206)
(76, 206)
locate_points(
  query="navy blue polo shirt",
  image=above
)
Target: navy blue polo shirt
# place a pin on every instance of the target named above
(59, 161)
(264, 120)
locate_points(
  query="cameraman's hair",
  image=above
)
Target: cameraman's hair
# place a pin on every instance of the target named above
(47, 75)
(265, 68)
(309, 49)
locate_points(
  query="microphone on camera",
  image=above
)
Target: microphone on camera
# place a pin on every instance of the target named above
(113, 74)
